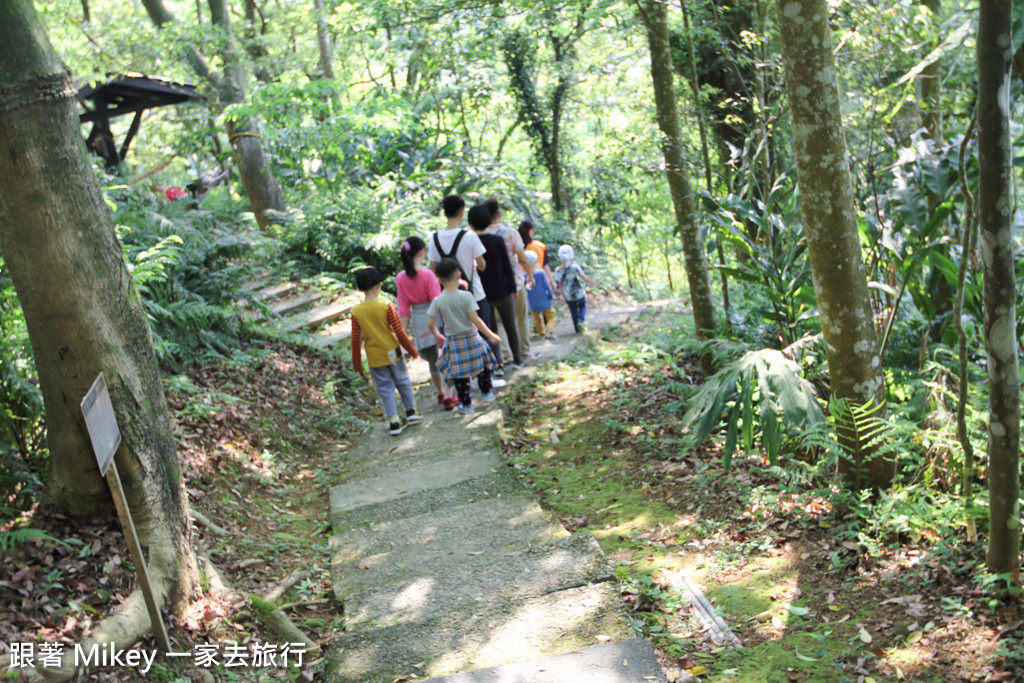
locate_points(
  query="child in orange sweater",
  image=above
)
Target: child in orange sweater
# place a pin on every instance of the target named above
(377, 321)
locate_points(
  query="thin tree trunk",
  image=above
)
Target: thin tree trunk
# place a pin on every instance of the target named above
(262, 190)
(243, 133)
(705, 154)
(966, 254)
(83, 313)
(930, 82)
(323, 41)
(827, 203)
(995, 208)
(655, 17)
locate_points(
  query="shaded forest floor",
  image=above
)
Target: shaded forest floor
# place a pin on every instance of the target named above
(263, 434)
(809, 595)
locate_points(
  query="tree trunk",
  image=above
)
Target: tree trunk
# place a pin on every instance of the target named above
(228, 87)
(995, 209)
(704, 153)
(323, 41)
(827, 203)
(930, 82)
(243, 133)
(157, 12)
(83, 313)
(655, 17)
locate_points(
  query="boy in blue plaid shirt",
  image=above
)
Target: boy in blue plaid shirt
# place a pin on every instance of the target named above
(464, 354)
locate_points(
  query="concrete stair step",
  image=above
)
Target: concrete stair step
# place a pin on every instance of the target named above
(494, 484)
(274, 291)
(395, 459)
(322, 340)
(322, 315)
(466, 583)
(367, 556)
(552, 624)
(294, 303)
(438, 429)
(395, 485)
(627, 661)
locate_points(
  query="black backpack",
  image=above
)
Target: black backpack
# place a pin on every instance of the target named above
(451, 254)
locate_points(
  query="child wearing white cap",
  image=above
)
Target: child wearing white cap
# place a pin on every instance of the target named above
(571, 278)
(540, 299)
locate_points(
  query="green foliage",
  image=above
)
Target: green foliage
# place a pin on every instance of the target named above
(15, 537)
(762, 394)
(22, 431)
(186, 267)
(774, 265)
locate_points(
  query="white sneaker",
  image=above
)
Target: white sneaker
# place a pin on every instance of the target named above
(488, 397)
(498, 383)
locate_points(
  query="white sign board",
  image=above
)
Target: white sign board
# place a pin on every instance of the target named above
(101, 423)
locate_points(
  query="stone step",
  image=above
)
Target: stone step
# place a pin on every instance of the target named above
(627, 661)
(322, 315)
(322, 341)
(367, 556)
(380, 462)
(294, 303)
(437, 429)
(496, 484)
(552, 624)
(274, 291)
(395, 485)
(465, 583)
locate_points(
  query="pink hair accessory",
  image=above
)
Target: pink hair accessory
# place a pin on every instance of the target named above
(405, 246)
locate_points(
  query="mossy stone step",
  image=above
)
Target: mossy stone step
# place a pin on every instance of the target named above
(468, 583)
(555, 623)
(367, 556)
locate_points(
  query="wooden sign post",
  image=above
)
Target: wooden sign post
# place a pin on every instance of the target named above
(106, 438)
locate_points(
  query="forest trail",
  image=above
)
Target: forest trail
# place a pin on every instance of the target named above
(444, 564)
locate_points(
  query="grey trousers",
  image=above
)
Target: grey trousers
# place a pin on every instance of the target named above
(386, 379)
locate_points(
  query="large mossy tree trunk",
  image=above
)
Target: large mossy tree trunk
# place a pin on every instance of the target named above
(833, 245)
(655, 19)
(995, 211)
(83, 313)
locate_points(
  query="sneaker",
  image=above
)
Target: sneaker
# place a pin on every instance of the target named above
(489, 397)
(465, 410)
(397, 427)
(550, 336)
(534, 355)
(520, 366)
(498, 371)
(450, 403)
(413, 415)
(498, 383)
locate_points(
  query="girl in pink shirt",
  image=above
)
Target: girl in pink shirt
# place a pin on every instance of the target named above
(417, 287)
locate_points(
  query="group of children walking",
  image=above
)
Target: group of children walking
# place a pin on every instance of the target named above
(446, 310)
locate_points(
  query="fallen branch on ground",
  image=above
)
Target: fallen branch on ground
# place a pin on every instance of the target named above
(205, 522)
